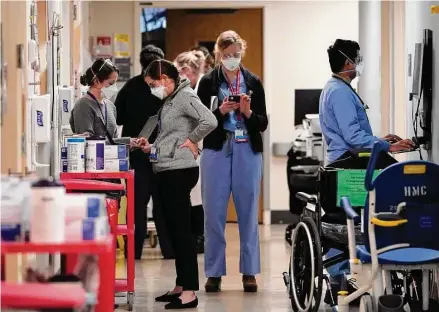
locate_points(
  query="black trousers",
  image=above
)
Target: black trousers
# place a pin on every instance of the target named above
(197, 220)
(175, 187)
(145, 186)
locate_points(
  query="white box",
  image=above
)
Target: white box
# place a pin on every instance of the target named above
(87, 229)
(116, 165)
(116, 152)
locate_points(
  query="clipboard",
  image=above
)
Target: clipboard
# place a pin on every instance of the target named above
(149, 127)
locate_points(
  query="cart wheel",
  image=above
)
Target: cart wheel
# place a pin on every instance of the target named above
(130, 300)
(306, 267)
(153, 241)
(366, 303)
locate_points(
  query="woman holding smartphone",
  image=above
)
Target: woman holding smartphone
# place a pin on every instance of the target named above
(231, 162)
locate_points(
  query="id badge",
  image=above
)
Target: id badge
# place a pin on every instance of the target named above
(153, 155)
(241, 136)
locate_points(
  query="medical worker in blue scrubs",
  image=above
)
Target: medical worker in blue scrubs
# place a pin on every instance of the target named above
(231, 162)
(343, 119)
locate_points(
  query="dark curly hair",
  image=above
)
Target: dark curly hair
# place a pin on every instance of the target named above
(163, 67)
(150, 53)
(100, 71)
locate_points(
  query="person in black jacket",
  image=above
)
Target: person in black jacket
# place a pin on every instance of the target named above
(231, 161)
(135, 104)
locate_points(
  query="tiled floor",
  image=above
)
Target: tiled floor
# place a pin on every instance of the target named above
(155, 276)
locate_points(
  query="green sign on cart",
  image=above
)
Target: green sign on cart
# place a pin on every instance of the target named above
(350, 183)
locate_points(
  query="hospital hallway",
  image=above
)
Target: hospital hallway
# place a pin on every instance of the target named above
(154, 277)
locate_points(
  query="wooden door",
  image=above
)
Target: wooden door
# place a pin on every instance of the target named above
(185, 30)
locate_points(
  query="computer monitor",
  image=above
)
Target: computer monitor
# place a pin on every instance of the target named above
(306, 102)
(422, 88)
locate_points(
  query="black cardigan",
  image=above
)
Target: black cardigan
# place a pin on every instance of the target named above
(258, 121)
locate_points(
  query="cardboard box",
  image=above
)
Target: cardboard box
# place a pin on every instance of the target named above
(116, 152)
(116, 165)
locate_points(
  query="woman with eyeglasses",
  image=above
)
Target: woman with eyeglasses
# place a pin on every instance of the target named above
(94, 114)
(191, 65)
(231, 162)
(183, 121)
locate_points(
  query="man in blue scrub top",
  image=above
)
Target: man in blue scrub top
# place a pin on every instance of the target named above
(342, 113)
(344, 122)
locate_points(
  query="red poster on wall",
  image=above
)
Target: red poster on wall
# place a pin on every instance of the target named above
(104, 47)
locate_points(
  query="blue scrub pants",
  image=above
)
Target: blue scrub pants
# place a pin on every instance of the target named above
(235, 169)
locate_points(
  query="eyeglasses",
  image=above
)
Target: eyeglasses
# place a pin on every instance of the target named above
(231, 55)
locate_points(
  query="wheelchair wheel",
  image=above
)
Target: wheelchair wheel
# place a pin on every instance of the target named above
(306, 267)
(366, 303)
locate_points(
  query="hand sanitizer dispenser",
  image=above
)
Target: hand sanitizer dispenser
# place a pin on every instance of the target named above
(66, 103)
(40, 124)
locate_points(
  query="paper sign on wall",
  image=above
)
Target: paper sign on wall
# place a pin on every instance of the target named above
(121, 45)
(103, 47)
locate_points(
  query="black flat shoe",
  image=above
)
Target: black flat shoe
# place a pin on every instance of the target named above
(168, 297)
(178, 305)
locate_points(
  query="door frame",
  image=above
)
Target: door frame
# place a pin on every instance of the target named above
(265, 186)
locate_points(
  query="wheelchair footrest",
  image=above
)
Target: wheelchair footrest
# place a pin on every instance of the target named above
(338, 234)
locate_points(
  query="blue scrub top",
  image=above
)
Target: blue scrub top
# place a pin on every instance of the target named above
(344, 121)
(230, 124)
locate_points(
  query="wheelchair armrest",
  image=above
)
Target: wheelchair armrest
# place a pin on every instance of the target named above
(306, 198)
(388, 220)
(350, 213)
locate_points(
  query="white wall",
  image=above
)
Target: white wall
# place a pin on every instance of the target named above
(418, 17)
(109, 17)
(294, 58)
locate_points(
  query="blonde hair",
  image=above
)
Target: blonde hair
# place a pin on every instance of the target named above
(192, 59)
(226, 39)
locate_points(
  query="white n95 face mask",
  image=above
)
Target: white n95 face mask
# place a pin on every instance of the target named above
(359, 68)
(159, 92)
(110, 91)
(231, 63)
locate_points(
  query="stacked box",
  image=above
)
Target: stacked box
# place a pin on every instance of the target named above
(117, 158)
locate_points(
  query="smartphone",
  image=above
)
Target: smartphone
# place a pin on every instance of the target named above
(234, 98)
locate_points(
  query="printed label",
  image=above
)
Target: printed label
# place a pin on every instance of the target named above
(40, 118)
(65, 106)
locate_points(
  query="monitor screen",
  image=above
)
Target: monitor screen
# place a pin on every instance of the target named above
(417, 70)
(306, 102)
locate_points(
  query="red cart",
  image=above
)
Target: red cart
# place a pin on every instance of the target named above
(121, 285)
(61, 295)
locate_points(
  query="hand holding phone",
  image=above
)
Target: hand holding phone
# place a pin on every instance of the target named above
(227, 106)
(234, 98)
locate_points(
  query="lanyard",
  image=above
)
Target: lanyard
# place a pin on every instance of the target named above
(235, 90)
(352, 89)
(104, 116)
(107, 134)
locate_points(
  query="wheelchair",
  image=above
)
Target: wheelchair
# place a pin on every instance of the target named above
(402, 199)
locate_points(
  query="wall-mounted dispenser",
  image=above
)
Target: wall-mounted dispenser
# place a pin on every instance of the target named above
(40, 125)
(66, 101)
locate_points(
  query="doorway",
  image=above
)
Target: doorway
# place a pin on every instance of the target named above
(178, 30)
